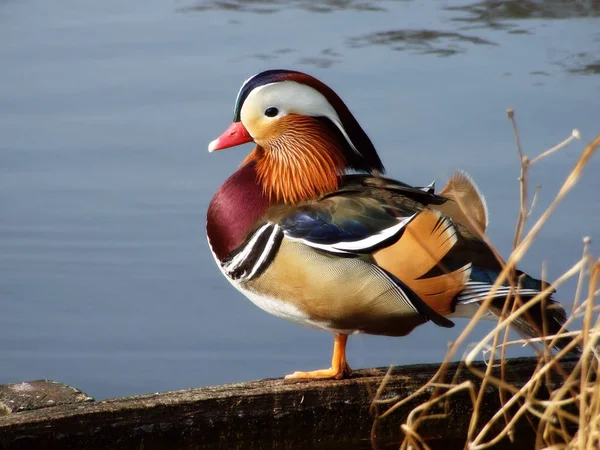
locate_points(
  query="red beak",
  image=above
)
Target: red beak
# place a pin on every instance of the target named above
(236, 134)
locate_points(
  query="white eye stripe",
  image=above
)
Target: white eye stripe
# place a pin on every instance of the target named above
(290, 97)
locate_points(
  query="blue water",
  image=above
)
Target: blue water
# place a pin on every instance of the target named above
(106, 110)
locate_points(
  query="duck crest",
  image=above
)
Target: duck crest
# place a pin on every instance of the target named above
(234, 210)
(302, 160)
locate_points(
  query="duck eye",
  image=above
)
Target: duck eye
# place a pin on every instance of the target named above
(271, 112)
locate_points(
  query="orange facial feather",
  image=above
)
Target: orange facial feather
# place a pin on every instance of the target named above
(300, 160)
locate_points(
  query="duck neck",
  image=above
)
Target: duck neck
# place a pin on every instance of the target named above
(301, 164)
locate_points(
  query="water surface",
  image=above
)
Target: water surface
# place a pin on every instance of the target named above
(106, 280)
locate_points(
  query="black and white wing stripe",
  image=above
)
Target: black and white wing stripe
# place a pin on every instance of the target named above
(345, 245)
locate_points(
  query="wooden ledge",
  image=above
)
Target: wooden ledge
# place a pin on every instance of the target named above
(270, 413)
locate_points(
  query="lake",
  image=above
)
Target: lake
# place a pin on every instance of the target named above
(106, 111)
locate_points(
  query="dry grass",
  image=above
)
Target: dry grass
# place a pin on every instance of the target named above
(566, 414)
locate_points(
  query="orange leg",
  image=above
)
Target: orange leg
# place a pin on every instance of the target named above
(339, 367)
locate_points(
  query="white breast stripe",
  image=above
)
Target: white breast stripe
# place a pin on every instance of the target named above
(239, 258)
(362, 244)
(265, 253)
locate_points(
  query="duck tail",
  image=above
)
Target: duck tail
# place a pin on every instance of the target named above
(545, 318)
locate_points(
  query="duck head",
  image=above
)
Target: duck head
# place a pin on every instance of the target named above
(306, 137)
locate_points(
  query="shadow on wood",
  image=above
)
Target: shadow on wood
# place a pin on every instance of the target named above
(269, 414)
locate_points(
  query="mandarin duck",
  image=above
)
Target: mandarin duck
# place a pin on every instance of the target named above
(310, 230)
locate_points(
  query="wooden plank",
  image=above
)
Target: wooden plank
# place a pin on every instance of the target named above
(270, 413)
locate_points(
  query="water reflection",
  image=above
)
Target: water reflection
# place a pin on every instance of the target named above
(272, 6)
(421, 41)
(494, 14)
(323, 60)
(588, 69)
(485, 16)
(580, 63)
(491, 15)
(326, 58)
(512, 16)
